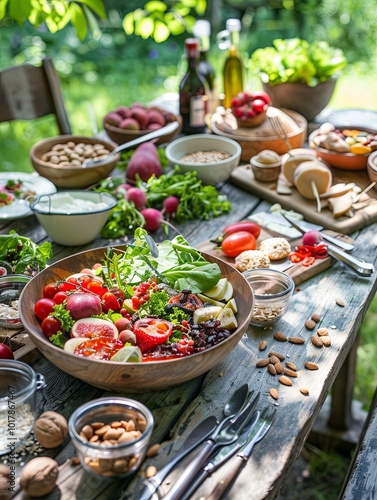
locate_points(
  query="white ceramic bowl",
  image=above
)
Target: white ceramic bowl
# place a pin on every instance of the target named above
(75, 217)
(212, 172)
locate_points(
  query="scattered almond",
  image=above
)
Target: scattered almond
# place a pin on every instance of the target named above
(262, 362)
(315, 317)
(340, 302)
(317, 341)
(310, 324)
(274, 393)
(326, 341)
(322, 332)
(150, 471)
(277, 354)
(309, 365)
(290, 373)
(285, 380)
(280, 337)
(296, 340)
(304, 391)
(262, 345)
(279, 367)
(271, 368)
(153, 450)
(274, 359)
(75, 461)
(291, 366)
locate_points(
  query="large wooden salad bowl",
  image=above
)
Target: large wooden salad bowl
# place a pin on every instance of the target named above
(130, 377)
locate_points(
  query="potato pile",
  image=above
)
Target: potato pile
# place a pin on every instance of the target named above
(136, 117)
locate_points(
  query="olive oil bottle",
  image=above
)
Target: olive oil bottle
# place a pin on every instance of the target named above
(233, 67)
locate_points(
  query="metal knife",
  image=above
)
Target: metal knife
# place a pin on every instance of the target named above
(274, 221)
(226, 433)
(357, 265)
(256, 434)
(222, 456)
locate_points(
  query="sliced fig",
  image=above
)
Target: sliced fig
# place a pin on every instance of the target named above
(94, 327)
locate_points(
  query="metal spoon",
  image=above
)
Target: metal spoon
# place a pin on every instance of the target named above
(167, 129)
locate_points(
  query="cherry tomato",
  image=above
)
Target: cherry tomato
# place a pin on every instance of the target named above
(238, 242)
(109, 301)
(50, 326)
(43, 307)
(60, 297)
(66, 287)
(50, 290)
(96, 286)
(260, 94)
(258, 105)
(100, 348)
(249, 226)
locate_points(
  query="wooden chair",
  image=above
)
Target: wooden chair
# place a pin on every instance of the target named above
(28, 92)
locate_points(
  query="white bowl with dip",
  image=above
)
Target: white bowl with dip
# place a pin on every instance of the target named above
(75, 217)
(212, 157)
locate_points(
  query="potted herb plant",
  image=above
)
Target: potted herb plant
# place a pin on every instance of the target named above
(299, 75)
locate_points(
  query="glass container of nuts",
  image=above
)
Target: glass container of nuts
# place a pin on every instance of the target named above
(111, 435)
(272, 290)
(18, 395)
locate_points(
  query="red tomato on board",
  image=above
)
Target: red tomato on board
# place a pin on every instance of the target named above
(249, 226)
(99, 348)
(50, 326)
(43, 307)
(151, 332)
(238, 242)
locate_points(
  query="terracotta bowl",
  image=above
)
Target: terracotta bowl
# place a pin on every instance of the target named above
(130, 377)
(72, 177)
(372, 167)
(341, 161)
(120, 136)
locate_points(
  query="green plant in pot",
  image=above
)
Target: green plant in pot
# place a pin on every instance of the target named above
(299, 75)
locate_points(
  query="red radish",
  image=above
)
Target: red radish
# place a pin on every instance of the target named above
(170, 205)
(153, 219)
(312, 237)
(83, 305)
(94, 327)
(137, 197)
(6, 352)
(122, 189)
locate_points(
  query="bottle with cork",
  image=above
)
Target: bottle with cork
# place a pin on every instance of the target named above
(193, 92)
(233, 67)
(202, 31)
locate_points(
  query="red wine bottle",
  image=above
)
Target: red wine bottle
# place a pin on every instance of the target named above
(202, 31)
(193, 92)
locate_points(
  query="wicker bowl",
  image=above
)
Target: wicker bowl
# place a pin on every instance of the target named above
(72, 177)
(130, 377)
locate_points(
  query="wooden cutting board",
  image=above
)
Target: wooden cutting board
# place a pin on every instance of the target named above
(243, 177)
(297, 272)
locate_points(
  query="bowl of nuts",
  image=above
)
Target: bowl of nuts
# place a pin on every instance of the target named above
(111, 435)
(59, 159)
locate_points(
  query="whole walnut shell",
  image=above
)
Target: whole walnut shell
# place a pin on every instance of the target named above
(5, 482)
(39, 476)
(51, 429)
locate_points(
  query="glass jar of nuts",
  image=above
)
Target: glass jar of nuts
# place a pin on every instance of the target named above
(111, 435)
(272, 290)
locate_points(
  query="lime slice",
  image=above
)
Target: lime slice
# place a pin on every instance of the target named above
(128, 354)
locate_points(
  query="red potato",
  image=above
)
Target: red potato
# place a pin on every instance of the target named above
(144, 163)
(140, 115)
(129, 124)
(155, 116)
(83, 305)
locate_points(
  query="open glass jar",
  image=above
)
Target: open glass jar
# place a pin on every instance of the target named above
(272, 290)
(18, 394)
(111, 435)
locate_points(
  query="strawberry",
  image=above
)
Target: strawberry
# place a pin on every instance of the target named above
(151, 332)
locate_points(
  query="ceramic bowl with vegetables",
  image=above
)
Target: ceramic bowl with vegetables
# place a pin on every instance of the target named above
(154, 317)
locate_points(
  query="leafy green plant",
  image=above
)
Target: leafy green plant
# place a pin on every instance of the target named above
(294, 60)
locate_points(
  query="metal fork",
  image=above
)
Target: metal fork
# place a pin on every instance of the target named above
(279, 130)
(256, 434)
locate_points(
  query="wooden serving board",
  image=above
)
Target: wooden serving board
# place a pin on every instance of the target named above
(297, 272)
(243, 177)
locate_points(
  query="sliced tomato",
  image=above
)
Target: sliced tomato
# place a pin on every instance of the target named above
(101, 348)
(109, 301)
(308, 261)
(151, 332)
(238, 242)
(244, 225)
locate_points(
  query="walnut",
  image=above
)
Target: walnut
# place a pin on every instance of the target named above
(39, 476)
(5, 482)
(51, 429)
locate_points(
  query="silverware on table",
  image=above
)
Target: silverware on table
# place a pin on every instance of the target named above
(360, 267)
(256, 434)
(167, 129)
(202, 431)
(226, 433)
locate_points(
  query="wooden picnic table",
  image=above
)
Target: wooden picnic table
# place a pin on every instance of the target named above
(178, 410)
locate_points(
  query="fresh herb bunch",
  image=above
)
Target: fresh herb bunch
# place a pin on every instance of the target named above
(294, 60)
(25, 256)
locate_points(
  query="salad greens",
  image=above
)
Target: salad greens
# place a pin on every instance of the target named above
(177, 264)
(294, 60)
(25, 256)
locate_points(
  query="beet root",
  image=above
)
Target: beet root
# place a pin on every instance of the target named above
(144, 163)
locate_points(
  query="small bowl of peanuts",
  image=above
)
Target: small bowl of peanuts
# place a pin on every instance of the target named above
(59, 159)
(111, 435)
(272, 291)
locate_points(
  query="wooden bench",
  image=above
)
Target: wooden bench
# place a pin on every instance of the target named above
(361, 480)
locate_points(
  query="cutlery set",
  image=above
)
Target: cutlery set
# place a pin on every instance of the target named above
(233, 437)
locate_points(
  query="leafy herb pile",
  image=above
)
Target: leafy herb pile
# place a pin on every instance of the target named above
(297, 61)
(23, 255)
